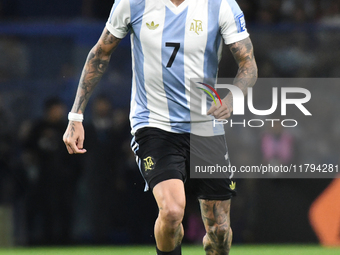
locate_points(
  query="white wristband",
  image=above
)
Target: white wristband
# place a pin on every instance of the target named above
(75, 117)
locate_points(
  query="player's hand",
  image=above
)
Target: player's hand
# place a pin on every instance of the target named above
(220, 111)
(74, 137)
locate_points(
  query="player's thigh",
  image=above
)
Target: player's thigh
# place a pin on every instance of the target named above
(215, 214)
(170, 197)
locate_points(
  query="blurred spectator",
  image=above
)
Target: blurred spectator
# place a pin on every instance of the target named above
(68, 78)
(52, 178)
(14, 59)
(6, 178)
(194, 229)
(6, 141)
(263, 11)
(298, 11)
(250, 9)
(7, 8)
(6, 118)
(331, 15)
(294, 56)
(278, 146)
(48, 9)
(104, 137)
(136, 200)
(91, 9)
(270, 12)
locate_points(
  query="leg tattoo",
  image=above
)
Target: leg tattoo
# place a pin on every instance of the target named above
(216, 219)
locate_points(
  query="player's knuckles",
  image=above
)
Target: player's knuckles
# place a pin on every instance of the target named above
(224, 108)
(217, 113)
(70, 142)
(65, 141)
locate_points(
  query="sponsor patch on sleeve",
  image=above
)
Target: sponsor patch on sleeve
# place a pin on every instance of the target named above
(241, 23)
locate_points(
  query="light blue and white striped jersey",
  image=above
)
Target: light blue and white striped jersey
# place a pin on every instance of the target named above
(171, 45)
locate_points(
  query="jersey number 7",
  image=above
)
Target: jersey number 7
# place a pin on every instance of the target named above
(174, 53)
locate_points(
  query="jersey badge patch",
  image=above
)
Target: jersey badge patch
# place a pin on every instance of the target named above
(196, 26)
(241, 23)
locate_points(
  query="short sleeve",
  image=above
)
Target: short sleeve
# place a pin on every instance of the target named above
(232, 22)
(119, 19)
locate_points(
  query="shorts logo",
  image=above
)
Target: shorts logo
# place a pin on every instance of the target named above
(232, 186)
(149, 163)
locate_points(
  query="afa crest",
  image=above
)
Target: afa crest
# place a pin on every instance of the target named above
(149, 163)
(196, 26)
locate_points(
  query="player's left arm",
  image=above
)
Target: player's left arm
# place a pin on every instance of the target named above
(246, 76)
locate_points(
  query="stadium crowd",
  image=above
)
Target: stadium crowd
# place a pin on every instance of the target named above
(263, 11)
(98, 197)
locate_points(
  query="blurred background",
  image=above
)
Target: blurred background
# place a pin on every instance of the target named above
(50, 198)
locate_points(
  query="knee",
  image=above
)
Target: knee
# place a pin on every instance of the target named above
(171, 215)
(219, 233)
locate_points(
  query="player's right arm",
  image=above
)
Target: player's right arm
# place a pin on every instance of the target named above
(94, 68)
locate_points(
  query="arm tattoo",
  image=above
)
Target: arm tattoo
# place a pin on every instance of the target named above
(247, 71)
(95, 66)
(108, 38)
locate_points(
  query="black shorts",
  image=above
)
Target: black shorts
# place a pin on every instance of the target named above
(163, 155)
